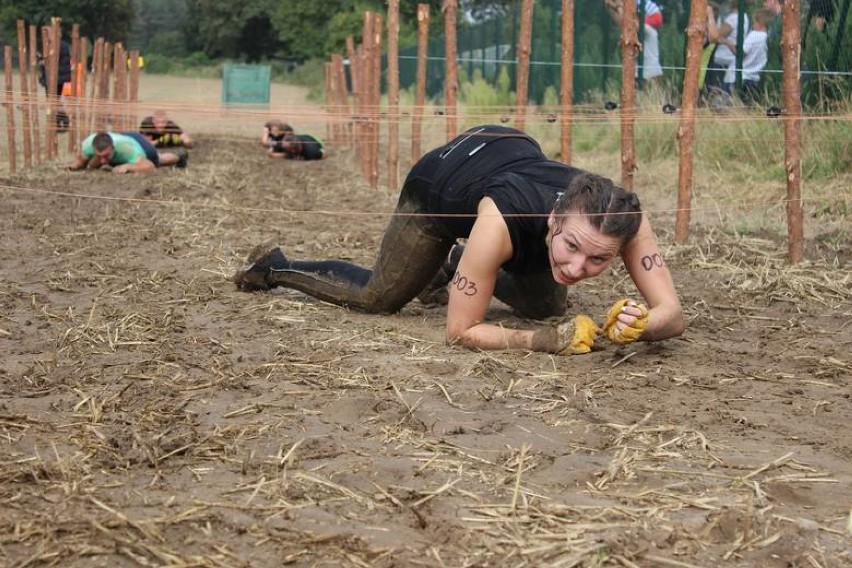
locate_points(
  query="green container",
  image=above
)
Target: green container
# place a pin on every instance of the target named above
(246, 84)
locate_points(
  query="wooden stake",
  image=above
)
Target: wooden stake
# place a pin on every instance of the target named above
(791, 48)
(125, 108)
(34, 93)
(354, 75)
(376, 101)
(73, 98)
(366, 69)
(10, 109)
(420, 85)
(108, 120)
(451, 80)
(629, 48)
(82, 115)
(328, 91)
(26, 99)
(566, 93)
(360, 110)
(56, 91)
(393, 95)
(342, 99)
(133, 90)
(523, 76)
(117, 99)
(97, 81)
(695, 33)
(50, 74)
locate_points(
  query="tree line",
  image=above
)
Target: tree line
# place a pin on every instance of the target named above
(251, 30)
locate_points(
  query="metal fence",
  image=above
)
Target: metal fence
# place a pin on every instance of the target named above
(486, 48)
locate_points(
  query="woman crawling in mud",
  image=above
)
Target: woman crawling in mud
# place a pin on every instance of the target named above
(533, 227)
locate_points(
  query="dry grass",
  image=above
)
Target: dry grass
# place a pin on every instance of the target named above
(152, 415)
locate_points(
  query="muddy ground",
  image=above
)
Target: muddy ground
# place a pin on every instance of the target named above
(151, 414)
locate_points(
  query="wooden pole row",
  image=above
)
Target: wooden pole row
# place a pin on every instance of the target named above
(523, 76)
(10, 109)
(420, 82)
(393, 95)
(629, 48)
(451, 77)
(49, 50)
(34, 92)
(26, 124)
(69, 106)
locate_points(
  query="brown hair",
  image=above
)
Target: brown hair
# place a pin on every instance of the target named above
(611, 210)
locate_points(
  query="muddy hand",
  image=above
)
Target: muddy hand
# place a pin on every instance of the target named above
(625, 321)
(572, 337)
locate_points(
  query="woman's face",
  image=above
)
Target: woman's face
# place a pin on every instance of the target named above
(577, 249)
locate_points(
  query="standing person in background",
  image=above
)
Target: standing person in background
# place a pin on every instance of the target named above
(653, 13)
(63, 77)
(755, 55)
(722, 72)
(652, 70)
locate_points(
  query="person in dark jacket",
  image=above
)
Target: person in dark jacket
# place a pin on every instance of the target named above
(63, 77)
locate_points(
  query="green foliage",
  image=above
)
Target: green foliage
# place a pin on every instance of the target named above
(167, 43)
(828, 146)
(196, 64)
(158, 27)
(551, 97)
(478, 93)
(240, 30)
(503, 80)
(110, 19)
(827, 50)
(310, 28)
(591, 137)
(310, 74)
(756, 147)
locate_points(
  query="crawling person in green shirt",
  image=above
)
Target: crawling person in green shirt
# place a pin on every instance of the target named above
(128, 152)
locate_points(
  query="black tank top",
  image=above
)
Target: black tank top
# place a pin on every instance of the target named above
(505, 165)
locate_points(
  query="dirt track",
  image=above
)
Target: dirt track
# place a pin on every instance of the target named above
(151, 414)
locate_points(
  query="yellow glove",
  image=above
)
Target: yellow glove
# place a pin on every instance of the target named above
(582, 333)
(572, 337)
(628, 334)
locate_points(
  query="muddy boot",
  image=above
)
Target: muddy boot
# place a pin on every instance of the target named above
(183, 157)
(435, 293)
(261, 260)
